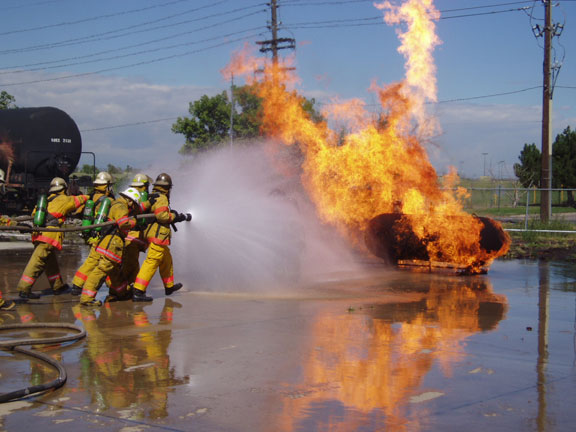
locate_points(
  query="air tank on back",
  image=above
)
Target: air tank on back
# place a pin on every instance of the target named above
(37, 144)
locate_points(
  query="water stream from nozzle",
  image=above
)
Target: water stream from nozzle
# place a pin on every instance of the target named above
(251, 229)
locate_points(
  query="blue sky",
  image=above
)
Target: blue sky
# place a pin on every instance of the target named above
(125, 70)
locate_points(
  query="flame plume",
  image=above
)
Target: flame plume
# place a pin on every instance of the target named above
(380, 165)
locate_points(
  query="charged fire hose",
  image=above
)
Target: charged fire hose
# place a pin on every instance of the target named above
(15, 345)
(186, 217)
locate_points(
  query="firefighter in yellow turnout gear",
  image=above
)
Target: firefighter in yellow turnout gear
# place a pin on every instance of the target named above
(135, 240)
(5, 221)
(102, 189)
(158, 236)
(47, 243)
(110, 248)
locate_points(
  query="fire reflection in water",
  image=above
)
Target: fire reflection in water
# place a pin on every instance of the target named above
(366, 370)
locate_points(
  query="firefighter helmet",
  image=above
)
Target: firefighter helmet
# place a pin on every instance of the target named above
(163, 180)
(57, 184)
(2, 179)
(140, 180)
(132, 194)
(103, 178)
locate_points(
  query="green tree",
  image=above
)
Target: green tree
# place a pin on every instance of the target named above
(113, 169)
(209, 124)
(7, 101)
(528, 170)
(564, 162)
(87, 169)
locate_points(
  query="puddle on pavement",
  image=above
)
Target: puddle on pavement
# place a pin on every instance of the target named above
(387, 350)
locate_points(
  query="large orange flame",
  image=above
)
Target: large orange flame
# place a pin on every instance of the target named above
(379, 165)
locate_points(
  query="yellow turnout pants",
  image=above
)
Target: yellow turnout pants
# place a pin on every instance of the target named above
(87, 266)
(109, 252)
(158, 257)
(130, 263)
(43, 259)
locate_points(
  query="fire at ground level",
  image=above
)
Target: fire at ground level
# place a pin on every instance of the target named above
(378, 350)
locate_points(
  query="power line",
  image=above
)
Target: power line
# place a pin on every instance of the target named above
(94, 18)
(147, 51)
(106, 35)
(377, 20)
(129, 124)
(488, 95)
(144, 62)
(22, 6)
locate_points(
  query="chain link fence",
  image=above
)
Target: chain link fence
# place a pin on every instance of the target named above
(516, 204)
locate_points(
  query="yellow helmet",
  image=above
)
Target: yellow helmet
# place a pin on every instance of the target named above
(140, 180)
(103, 178)
(57, 184)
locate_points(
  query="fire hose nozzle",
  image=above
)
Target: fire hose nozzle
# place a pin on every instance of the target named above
(182, 217)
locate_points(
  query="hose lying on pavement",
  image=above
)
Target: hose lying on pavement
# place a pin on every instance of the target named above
(14, 345)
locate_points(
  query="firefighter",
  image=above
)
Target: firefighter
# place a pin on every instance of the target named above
(4, 220)
(102, 190)
(158, 236)
(110, 248)
(7, 221)
(2, 182)
(47, 243)
(135, 241)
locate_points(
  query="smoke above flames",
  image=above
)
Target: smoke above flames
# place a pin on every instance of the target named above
(372, 165)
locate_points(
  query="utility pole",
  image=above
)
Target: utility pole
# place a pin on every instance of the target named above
(231, 109)
(275, 44)
(546, 178)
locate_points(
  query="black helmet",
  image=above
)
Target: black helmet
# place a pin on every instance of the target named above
(163, 180)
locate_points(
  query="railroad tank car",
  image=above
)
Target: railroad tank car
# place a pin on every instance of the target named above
(36, 145)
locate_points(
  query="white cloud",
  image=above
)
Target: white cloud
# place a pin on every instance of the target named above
(96, 102)
(470, 130)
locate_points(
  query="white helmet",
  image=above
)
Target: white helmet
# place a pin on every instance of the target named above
(132, 194)
(103, 178)
(2, 177)
(140, 180)
(57, 184)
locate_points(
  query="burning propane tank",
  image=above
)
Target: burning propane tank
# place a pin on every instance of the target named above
(388, 237)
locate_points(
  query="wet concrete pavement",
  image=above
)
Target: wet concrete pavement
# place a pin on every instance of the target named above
(379, 350)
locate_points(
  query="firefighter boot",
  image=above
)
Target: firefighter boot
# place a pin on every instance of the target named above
(140, 296)
(172, 289)
(75, 290)
(6, 305)
(51, 291)
(28, 295)
(90, 302)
